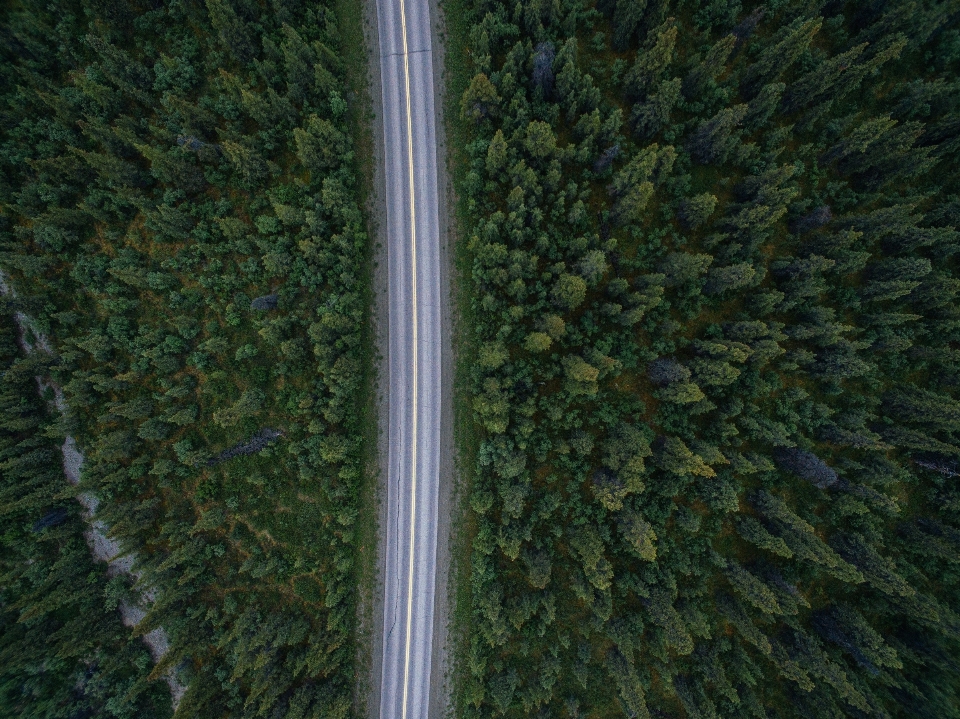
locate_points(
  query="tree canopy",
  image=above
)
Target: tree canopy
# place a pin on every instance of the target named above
(180, 214)
(716, 470)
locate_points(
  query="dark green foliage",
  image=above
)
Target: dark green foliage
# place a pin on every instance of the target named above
(806, 465)
(63, 651)
(715, 294)
(180, 210)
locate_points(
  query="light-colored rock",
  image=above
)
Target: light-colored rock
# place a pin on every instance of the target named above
(102, 546)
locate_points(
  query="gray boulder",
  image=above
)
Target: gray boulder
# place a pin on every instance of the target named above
(267, 302)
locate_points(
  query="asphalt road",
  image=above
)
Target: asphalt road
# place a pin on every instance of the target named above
(414, 361)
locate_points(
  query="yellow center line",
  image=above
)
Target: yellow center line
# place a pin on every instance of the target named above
(413, 462)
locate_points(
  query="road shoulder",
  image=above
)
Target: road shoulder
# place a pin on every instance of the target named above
(372, 520)
(441, 679)
(441, 704)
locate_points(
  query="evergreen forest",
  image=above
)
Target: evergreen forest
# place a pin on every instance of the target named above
(708, 348)
(63, 650)
(710, 249)
(180, 215)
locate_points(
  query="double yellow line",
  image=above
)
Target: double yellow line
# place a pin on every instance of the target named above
(413, 462)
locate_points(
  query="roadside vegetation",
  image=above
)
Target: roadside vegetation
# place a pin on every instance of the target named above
(714, 392)
(180, 213)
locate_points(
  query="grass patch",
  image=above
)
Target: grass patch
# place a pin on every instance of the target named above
(355, 55)
(466, 440)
